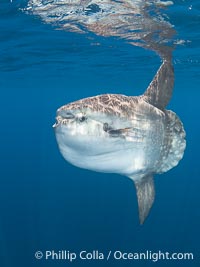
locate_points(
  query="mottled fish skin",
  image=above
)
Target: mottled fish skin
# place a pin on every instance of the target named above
(112, 104)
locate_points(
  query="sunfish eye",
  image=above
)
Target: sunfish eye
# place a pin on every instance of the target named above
(82, 119)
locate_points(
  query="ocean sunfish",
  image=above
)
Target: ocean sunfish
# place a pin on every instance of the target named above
(132, 136)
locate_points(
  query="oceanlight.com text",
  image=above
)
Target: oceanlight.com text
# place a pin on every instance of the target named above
(117, 255)
(153, 256)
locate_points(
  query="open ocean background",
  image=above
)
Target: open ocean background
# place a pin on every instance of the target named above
(47, 204)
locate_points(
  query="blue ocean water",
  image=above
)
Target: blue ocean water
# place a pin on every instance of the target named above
(47, 204)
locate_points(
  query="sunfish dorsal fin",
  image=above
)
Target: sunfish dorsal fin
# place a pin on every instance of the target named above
(145, 195)
(159, 91)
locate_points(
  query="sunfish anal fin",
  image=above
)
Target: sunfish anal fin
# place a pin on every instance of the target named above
(145, 195)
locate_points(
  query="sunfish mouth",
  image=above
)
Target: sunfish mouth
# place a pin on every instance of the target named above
(63, 119)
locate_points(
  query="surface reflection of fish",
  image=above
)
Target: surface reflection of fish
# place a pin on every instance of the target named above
(132, 136)
(138, 21)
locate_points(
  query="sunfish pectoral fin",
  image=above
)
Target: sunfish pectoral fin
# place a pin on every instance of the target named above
(132, 134)
(119, 132)
(145, 195)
